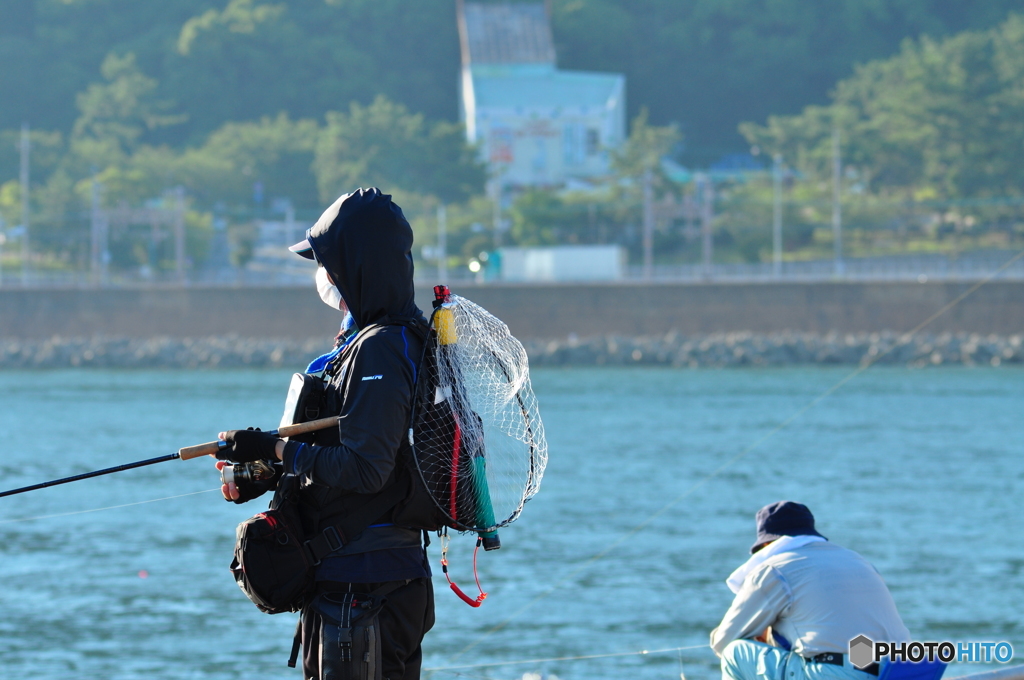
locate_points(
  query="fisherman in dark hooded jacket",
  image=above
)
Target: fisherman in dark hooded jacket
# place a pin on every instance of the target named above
(362, 244)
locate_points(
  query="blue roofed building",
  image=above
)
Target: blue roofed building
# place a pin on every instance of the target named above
(535, 125)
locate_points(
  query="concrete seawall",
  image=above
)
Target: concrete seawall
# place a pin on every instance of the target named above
(531, 312)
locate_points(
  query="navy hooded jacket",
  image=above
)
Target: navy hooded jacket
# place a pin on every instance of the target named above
(364, 242)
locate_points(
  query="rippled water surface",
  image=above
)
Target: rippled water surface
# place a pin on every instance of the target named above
(626, 547)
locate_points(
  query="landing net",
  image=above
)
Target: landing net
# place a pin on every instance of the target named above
(478, 440)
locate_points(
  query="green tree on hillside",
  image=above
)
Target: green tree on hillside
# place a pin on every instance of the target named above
(706, 64)
(644, 148)
(711, 64)
(123, 108)
(940, 119)
(384, 144)
(276, 152)
(252, 58)
(113, 117)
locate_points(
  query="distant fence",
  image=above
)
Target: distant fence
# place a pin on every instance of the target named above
(245, 278)
(286, 272)
(893, 268)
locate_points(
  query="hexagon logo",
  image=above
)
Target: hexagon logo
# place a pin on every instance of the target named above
(862, 651)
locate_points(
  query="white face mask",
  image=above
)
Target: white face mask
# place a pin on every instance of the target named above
(329, 293)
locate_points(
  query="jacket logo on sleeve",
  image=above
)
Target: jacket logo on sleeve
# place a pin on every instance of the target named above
(373, 377)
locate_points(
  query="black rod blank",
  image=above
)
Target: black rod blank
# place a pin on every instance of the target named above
(94, 473)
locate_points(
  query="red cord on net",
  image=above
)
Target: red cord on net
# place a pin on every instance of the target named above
(451, 584)
(453, 509)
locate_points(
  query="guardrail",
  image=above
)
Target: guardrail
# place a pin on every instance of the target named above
(894, 268)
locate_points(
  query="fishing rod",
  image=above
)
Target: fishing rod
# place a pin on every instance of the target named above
(187, 453)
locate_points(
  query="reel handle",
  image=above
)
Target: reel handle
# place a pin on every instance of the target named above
(211, 448)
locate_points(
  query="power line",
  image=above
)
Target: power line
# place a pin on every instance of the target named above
(109, 507)
(641, 652)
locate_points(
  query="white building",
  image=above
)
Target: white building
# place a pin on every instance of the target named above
(535, 124)
(562, 263)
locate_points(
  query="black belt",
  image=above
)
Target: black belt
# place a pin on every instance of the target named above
(835, 659)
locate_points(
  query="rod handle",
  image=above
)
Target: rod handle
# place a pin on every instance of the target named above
(311, 426)
(207, 449)
(211, 448)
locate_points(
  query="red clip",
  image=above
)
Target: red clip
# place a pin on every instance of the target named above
(466, 598)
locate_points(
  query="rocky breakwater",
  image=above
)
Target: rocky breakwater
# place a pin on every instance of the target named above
(671, 349)
(216, 352)
(780, 349)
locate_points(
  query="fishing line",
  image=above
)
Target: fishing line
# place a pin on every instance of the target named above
(642, 652)
(109, 507)
(460, 674)
(865, 365)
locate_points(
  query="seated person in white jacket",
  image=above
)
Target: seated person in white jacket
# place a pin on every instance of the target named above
(799, 601)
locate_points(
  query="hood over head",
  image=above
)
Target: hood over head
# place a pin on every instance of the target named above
(365, 243)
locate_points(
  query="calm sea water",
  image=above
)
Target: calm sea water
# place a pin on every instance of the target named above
(625, 548)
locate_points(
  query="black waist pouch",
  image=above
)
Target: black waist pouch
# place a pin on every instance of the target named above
(275, 561)
(272, 565)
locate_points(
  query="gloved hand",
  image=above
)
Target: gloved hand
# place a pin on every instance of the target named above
(248, 445)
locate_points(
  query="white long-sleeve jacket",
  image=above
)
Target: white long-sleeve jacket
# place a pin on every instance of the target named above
(818, 596)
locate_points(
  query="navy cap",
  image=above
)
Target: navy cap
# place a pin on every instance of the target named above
(303, 248)
(783, 518)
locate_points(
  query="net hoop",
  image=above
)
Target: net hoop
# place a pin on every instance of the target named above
(478, 442)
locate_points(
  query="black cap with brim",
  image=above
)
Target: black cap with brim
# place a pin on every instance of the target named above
(303, 248)
(784, 518)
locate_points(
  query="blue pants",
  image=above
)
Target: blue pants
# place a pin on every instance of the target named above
(748, 660)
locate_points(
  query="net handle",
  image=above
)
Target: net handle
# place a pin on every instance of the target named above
(441, 295)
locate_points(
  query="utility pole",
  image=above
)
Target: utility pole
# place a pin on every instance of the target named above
(442, 244)
(26, 251)
(495, 190)
(289, 223)
(837, 211)
(707, 198)
(179, 234)
(3, 240)
(777, 215)
(98, 237)
(648, 237)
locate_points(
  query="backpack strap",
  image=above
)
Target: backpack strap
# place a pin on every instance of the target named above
(415, 323)
(296, 643)
(367, 602)
(342, 353)
(336, 536)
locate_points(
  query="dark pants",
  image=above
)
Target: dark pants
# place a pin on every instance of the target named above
(406, 617)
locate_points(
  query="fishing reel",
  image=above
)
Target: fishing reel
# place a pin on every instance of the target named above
(251, 479)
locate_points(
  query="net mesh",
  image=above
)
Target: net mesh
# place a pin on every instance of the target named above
(478, 440)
